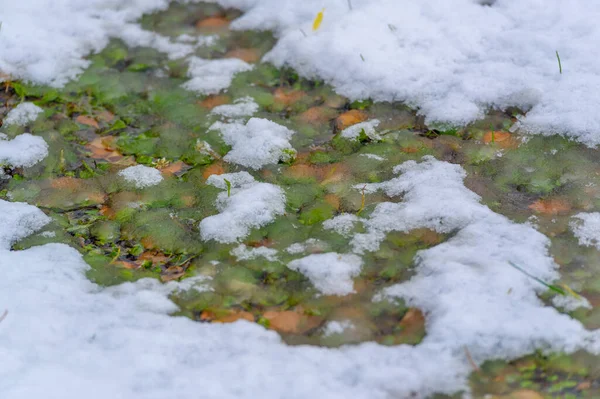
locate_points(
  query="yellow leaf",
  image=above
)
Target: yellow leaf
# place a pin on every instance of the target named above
(318, 20)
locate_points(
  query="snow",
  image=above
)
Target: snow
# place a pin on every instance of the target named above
(24, 150)
(373, 156)
(250, 205)
(242, 252)
(22, 114)
(244, 106)
(337, 327)
(451, 60)
(212, 76)
(257, 143)
(331, 273)
(120, 341)
(586, 227)
(141, 176)
(353, 132)
(342, 224)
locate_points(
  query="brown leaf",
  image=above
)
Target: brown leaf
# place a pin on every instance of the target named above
(550, 206)
(172, 273)
(317, 115)
(501, 139)
(126, 264)
(249, 55)
(413, 322)
(87, 120)
(156, 258)
(212, 23)
(175, 168)
(291, 322)
(213, 169)
(333, 200)
(350, 118)
(215, 100)
(235, 316)
(287, 97)
(524, 394)
(105, 116)
(104, 148)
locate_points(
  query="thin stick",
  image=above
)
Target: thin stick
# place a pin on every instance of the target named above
(362, 202)
(559, 64)
(3, 315)
(350, 4)
(304, 33)
(471, 361)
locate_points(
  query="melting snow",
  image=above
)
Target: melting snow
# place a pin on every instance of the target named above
(212, 76)
(250, 205)
(244, 106)
(24, 150)
(22, 114)
(368, 128)
(330, 273)
(586, 227)
(242, 252)
(257, 143)
(141, 176)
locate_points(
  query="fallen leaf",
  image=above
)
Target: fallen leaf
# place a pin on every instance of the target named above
(214, 100)
(413, 322)
(175, 168)
(287, 97)
(125, 264)
(235, 316)
(212, 23)
(501, 139)
(524, 394)
(87, 120)
(104, 148)
(105, 116)
(350, 118)
(172, 273)
(291, 322)
(550, 206)
(249, 55)
(317, 115)
(213, 169)
(318, 20)
(156, 258)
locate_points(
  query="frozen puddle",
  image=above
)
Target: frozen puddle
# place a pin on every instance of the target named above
(64, 331)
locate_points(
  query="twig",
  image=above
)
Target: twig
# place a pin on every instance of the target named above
(471, 361)
(350, 4)
(362, 203)
(304, 33)
(3, 315)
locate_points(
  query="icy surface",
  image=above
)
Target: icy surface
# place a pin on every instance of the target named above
(330, 273)
(257, 143)
(451, 59)
(244, 106)
(24, 150)
(212, 76)
(141, 176)
(586, 227)
(22, 114)
(251, 204)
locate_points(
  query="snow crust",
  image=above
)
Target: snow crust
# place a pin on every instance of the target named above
(23, 151)
(353, 132)
(257, 143)
(212, 76)
(586, 227)
(141, 176)
(22, 114)
(242, 252)
(250, 205)
(342, 224)
(451, 60)
(330, 273)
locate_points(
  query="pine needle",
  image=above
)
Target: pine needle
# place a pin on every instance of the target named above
(559, 64)
(550, 286)
(228, 184)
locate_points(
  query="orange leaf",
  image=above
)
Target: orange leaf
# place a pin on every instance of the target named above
(290, 322)
(350, 118)
(212, 23)
(235, 316)
(214, 100)
(287, 97)
(550, 206)
(249, 55)
(172, 273)
(213, 169)
(87, 120)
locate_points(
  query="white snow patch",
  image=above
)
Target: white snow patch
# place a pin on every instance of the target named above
(586, 227)
(450, 59)
(244, 106)
(257, 143)
(368, 127)
(330, 273)
(251, 204)
(242, 252)
(310, 245)
(342, 224)
(212, 76)
(24, 150)
(337, 327)
(22, 114)
(141, 176)
(373, 156)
